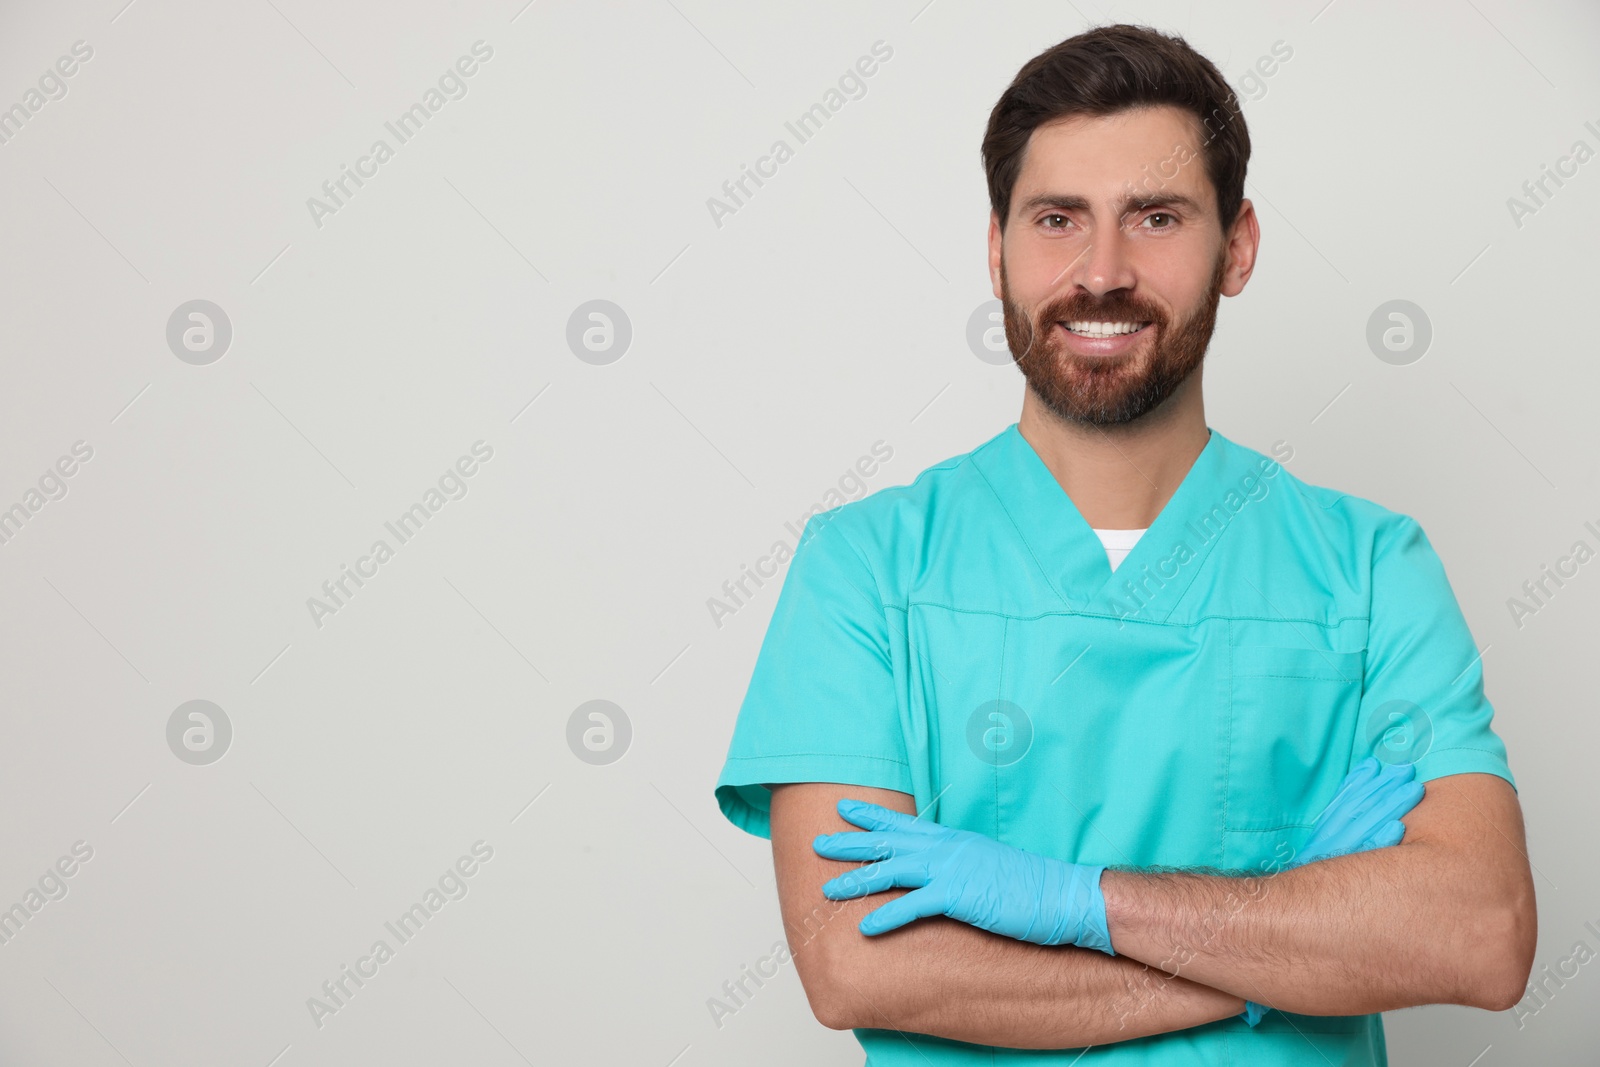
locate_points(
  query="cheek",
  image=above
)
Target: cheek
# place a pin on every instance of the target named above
(1179, 287)
(1040, 270)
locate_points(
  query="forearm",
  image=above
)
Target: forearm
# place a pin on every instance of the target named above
(1380, 930)
(951, 980)
(945, 978)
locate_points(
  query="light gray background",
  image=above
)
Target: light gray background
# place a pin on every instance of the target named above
(768, 355)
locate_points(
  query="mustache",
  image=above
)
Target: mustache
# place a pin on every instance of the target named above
(1077, 310)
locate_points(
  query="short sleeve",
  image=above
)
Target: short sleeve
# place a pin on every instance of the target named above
(821, 704)
(1423, 699)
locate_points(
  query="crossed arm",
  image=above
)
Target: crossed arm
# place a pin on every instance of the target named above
(1446, 916)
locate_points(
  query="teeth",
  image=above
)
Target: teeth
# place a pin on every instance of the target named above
(1103, 329)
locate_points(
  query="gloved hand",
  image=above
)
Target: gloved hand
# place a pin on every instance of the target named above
(966, 876)
(1364, 814)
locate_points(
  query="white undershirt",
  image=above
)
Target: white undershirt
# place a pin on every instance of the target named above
(1118, 543)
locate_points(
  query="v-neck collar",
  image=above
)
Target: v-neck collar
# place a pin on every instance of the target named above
(1070, 553)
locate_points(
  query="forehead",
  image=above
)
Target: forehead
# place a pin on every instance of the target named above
(1100, 156)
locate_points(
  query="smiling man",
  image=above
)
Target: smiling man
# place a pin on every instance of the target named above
(1134, 681)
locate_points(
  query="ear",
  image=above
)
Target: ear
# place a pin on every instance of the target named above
(1244, 239)
(995, 249)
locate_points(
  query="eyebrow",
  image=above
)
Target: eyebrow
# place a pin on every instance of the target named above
(1127, 205)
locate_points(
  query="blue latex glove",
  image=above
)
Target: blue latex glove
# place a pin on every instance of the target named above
(1364, 814)
(966, 876)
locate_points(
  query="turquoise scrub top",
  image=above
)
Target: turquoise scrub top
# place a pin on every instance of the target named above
(964, 640)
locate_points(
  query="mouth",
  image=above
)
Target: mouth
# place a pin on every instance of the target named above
(1103, 329)
(1099, 338)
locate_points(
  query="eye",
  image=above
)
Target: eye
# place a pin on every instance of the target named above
(1047, 219)
(1161, 215)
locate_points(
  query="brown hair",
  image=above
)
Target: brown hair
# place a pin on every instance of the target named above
(1107, 70)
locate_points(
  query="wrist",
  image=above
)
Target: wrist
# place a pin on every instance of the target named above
(1079, 913)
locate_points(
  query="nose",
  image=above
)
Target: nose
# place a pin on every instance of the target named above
(1104, 264)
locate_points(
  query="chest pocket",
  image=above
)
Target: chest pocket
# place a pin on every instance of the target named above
(1291, 728)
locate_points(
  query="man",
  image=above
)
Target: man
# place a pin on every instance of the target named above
(1108, 768)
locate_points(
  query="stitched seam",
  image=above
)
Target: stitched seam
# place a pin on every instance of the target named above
(1126, 618)
(830, 755)
(1023, 539)
(1303, 677)
(1005, 635)
(1227, 741)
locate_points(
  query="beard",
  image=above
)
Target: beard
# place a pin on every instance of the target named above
(1108, 390)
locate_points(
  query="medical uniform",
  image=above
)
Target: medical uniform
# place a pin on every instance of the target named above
(964, 640)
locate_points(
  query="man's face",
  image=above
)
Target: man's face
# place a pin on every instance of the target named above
(1078, 255)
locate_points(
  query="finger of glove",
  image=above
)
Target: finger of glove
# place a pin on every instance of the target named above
(1399, 801)
(1356, 804)
(1355, 788)
(1370, 779)
(1398, 797)
(1360, 821)
(917, 904)
(877, 817)
(1357, 809)
(1341, 819)
(860, 845)
(1393, 777)
(1356, 780)
(904, 872)
(1391, 833)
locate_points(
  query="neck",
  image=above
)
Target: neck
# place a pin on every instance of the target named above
(1120, 477)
